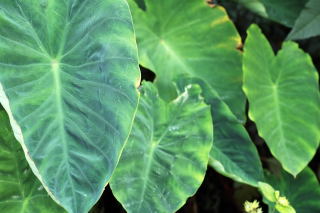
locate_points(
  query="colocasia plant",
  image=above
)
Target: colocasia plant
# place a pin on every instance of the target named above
(76, 116)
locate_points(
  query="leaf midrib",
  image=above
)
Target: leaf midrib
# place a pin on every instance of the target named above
(56, 71)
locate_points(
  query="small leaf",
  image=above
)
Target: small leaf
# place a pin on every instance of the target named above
(268, 192)
(308, 23)
(166, 157)
(272, 84)
(20, 190)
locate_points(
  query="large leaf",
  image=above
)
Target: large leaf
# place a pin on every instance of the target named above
(166, 157)
(308, 23)
(179, 38)
(20, 190)
(68, 74)
(303, 192)
(190, 38)
(283, 99)
(232, 149)
(284, 11)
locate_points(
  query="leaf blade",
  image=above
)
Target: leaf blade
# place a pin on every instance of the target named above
(166, 157)
(271, 84)
(79, 76)
(20, 190)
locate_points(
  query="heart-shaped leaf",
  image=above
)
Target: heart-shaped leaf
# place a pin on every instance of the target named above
(272, 85)
(166, 157)
(188, 38)
(68, 77)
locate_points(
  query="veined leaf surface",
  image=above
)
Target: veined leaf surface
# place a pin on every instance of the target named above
(166, 157)
(190, 38)
(187, 38)
(290, 125)
(68, 77)
(232, 149)
(20, 190)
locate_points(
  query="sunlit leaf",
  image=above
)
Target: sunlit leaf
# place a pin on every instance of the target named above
(283, 98)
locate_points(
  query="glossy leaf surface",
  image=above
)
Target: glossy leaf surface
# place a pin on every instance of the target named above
(232, 149)
(303, 192)
(20, 190)
(68, 74)
(272, 85)
(166, 157)
(170, 46)
(308, 23)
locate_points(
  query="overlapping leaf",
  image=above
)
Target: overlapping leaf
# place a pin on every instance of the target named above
(308, 23)
(20, 190)
(285, 11)
(165, 159)
(272, 85)
(187, 38)
(303, 192)
(68, 74)
(233, 154)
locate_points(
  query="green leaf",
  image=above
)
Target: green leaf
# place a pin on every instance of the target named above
(20, 191)
(255, 6)
(283, 99)
(268, 192)
(274, 200)
(169, 45)
(303, 192)
(68, 78)
(166, 157)
(190, 38)
(308, 23)
(283, 11)
(233, 154)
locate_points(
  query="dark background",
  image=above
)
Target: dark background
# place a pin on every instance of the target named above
(217, 193)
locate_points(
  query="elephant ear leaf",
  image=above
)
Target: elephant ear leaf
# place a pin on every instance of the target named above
(20, 190)
(68, 81)
(169, 46)
(166, 157)
(272, 84)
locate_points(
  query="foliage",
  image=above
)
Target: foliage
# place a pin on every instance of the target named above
(72, 120)
(20, 191)
(172, 142)
(271, 83)
(69, 91)
(300, 15)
